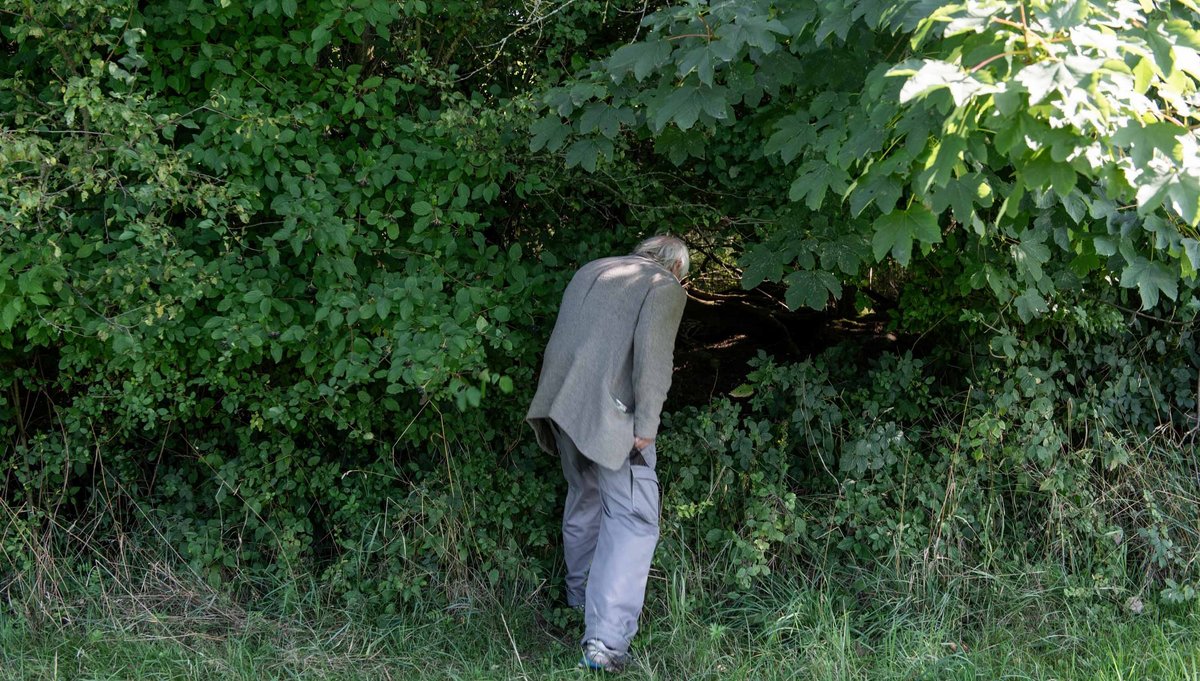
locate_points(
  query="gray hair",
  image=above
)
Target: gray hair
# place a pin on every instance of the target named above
(669, 251)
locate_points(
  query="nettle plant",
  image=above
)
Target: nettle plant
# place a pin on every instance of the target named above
(1055, 140)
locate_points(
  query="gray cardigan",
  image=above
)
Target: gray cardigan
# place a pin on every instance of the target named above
(607, 367)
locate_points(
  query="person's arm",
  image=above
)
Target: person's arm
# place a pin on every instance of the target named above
(654, 355)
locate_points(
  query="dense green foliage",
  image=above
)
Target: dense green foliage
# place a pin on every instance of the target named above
(1049, 143)
(275, 277)
(261, 263)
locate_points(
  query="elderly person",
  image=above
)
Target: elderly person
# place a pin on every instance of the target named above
(604, 378)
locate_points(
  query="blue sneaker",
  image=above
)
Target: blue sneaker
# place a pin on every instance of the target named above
(599, 657)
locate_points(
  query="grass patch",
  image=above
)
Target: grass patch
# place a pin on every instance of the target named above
(166, 627)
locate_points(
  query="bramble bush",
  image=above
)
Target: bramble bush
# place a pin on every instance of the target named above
(1076, 453)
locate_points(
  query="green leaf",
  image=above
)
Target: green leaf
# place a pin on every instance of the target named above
(1030, 304)
(929, 76)
(682, 106)
(1180, 189)
(1064, 15)
(1191, 249)
(1006, 344)
(9, 315)
(506, 384)
(793, 134)
(1061, 76)
(699, 59)
(815, 178)
(586, 152)
(640, 58)
(1043, 172)
(1184, 195)
(1151, 279)
(896, 231)
(605, 118)
(421, 208)
(962, 194)
(845, 254)
(811, 288)
(759, 265)
(679, 146)
(742, 391)
(549, 133)
(289, 7)
(1142, 140)
(320, 37)
(1030, 255)
(879, 188)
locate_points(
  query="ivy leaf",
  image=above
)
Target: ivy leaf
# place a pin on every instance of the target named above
(1151, 279)
(811, 288)
(896, 231)
(640, 58)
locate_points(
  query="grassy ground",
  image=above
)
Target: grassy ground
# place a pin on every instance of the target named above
(166, 629)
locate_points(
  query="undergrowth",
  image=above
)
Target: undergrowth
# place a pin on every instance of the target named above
(142, 616)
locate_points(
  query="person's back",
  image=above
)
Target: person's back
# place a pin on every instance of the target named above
(614, 312)
(604, 378)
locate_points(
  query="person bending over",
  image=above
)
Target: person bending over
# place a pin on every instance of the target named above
(605, 375)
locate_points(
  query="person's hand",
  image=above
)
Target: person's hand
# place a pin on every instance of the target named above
(640, 443)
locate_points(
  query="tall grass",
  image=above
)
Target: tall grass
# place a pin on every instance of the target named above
(143, 615)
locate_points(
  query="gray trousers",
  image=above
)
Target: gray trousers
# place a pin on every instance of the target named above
(610, 529)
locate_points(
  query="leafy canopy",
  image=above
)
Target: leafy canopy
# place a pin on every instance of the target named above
(1064, 122)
